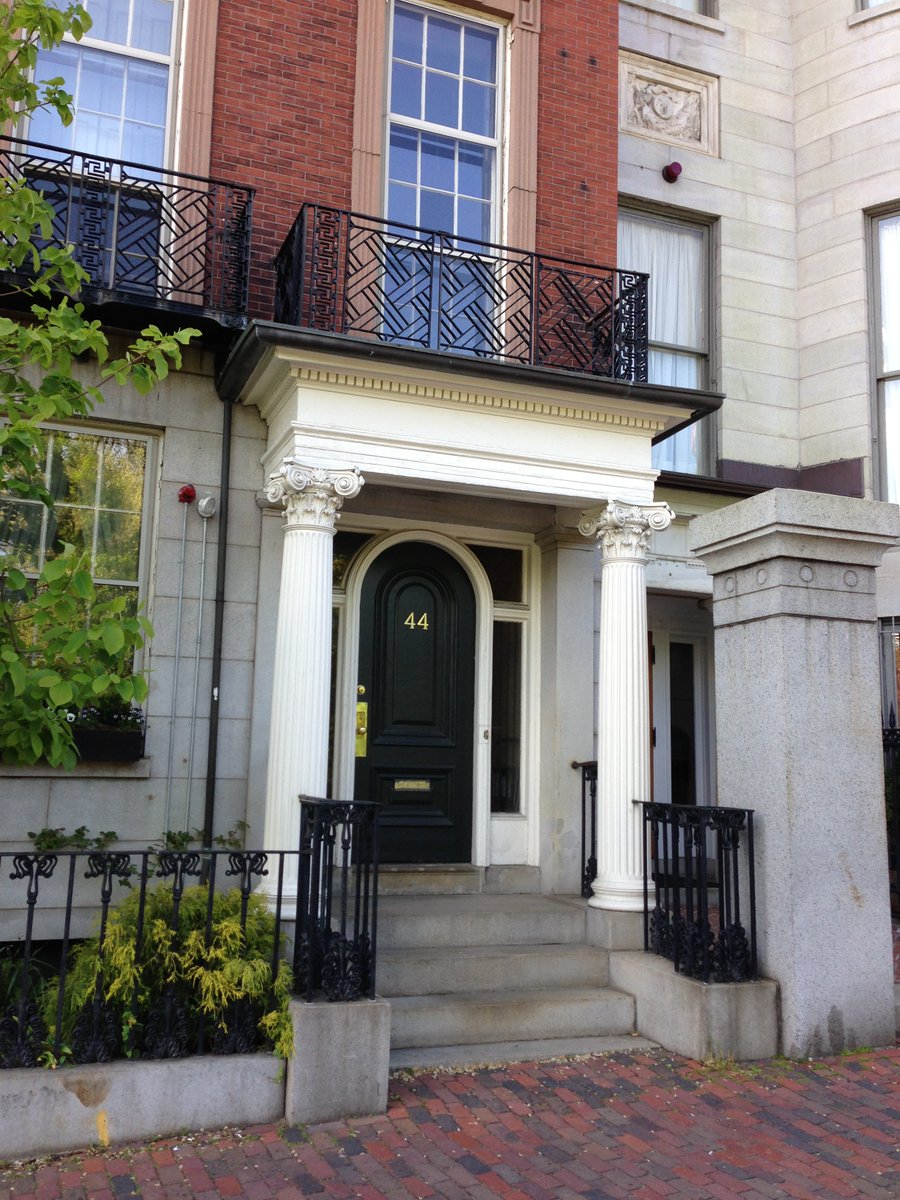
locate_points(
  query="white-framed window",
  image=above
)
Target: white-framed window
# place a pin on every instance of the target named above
(119, 76)
(101, 484)
(443, 129)
(886, 246)
(676, 255)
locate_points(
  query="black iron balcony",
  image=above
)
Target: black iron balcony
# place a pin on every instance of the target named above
(365, 277)
(146, 237)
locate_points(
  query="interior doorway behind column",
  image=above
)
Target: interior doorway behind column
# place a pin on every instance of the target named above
(682, 719)
(416, 703)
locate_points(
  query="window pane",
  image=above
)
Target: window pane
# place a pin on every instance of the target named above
(474, 220)
(681, 452)
(672, 255)
(74, 463)
(443, 45)
(101, 82)
(118, 548)
(143, 143)
(404, 155)
(110, 21)
(408, 28)
(475, 171)
(122, 481)
(441, 99)
(96, 134)
(406, 90)
(438, 162)
(20, 534)
(145, 95)
(72, 527)
(402, 203)
(436, 211)
(152, 25)
(891, 390)
(481, 55)
(506, 716)
(504, 570)
(889, 259)
(478, 109)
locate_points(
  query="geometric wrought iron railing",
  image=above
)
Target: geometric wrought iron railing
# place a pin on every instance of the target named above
(144, 235)
(121, 993)
(691, 852)
(890, 737)
(342, 272)
(588, 824)
(335, 943)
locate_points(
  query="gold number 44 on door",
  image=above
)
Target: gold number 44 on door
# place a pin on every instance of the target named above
(414, 622)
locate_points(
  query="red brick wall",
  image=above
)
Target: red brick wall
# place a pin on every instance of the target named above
(283, 114)
(577, 130)
(283, 120)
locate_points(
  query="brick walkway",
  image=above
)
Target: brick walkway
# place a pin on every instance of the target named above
(647, 1125)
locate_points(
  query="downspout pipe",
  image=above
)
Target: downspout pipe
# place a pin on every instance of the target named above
(212, 749)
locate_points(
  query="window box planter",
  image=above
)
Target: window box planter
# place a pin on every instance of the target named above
(109, 745)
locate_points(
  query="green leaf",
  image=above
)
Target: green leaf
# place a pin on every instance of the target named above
(61, 693)
(112, 637)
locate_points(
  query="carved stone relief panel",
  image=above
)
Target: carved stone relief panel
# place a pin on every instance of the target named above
(668, 103)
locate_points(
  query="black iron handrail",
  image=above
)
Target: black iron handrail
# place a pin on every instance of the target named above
(890, 740)
(337, 900)
(64, 895)
(144, 235)
(588, 824)
(689, 853)
(362, 276)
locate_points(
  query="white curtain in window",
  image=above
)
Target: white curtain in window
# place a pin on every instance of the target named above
(681, 452)
(892, 439)
(889, 271)
(672, 255)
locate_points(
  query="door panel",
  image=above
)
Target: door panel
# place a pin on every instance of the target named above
(417, 669)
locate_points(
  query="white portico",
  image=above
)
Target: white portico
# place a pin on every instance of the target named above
(473, 499)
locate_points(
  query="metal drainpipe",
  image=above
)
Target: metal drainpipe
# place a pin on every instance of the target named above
(212, 751)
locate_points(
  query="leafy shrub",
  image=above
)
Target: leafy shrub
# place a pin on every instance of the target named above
(225, 985)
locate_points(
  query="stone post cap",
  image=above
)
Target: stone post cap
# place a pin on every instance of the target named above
(783, 523)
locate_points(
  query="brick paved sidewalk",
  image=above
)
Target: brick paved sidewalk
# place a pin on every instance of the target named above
(645, 1125)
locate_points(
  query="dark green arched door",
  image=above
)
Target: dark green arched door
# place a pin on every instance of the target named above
(417, 679)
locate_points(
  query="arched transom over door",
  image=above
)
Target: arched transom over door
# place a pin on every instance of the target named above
(416, 700)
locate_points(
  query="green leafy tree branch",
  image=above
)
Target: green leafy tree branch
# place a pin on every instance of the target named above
(62, 645)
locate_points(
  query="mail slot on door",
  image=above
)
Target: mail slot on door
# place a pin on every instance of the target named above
(412, 785)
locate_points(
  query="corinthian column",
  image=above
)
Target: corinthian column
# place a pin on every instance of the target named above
(622, 532)
(298, 735)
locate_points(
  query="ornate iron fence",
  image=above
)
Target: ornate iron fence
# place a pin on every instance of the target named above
(588, 824)
(143, 234)
(337, 900)
(706, 938)
(128, 990)
(890, 740)
(342, 272)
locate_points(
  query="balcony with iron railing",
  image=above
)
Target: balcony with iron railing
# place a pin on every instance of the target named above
(361, 277)
(148, 238)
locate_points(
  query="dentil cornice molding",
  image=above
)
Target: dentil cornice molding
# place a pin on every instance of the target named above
(516, 405)
(623, 530)
(312, 496)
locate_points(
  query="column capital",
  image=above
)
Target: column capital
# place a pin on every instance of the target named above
(312, 496)
(622, 530)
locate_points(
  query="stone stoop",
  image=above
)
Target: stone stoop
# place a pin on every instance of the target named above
(481, 977)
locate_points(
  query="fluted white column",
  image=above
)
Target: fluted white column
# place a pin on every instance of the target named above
(298, 734)
(623, 699)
